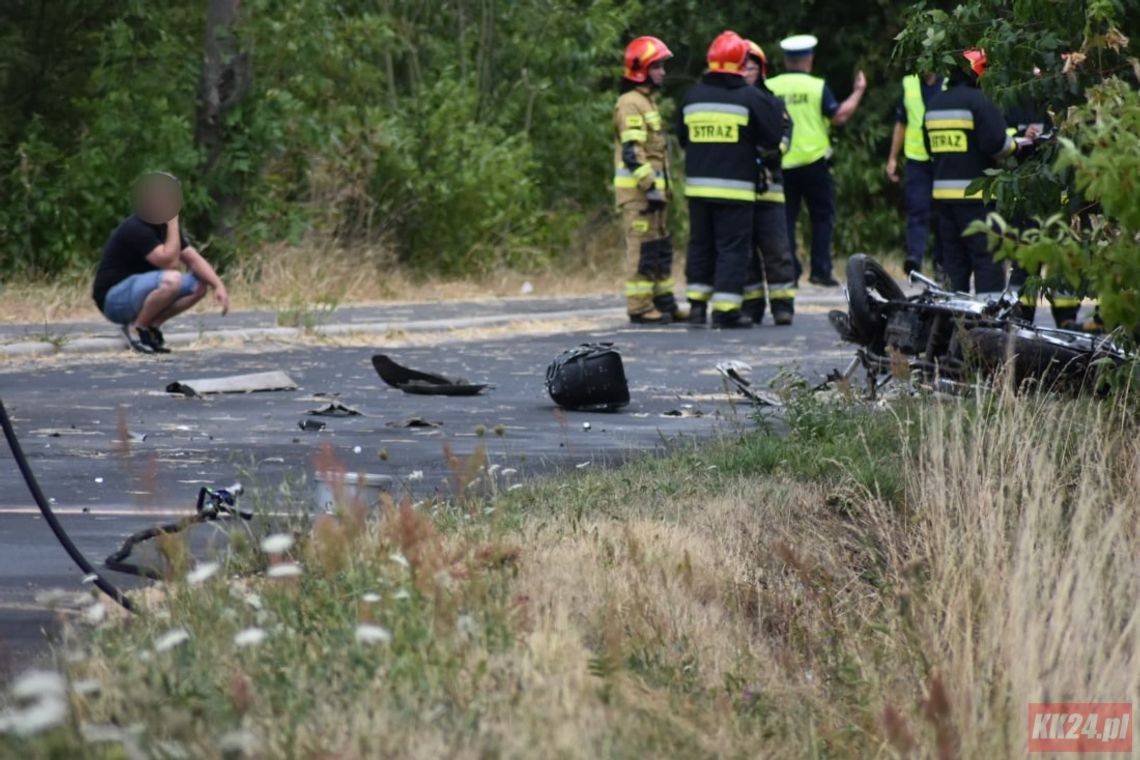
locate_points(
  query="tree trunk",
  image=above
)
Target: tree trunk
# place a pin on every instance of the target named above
(226, 76)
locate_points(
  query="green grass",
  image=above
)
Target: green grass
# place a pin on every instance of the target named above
(784, 595)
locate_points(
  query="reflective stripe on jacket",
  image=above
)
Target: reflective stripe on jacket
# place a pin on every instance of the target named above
(723, 125)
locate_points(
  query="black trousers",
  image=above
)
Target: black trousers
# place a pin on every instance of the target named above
(967, 256)
(812, 183)
(771, 261)
(720, 248)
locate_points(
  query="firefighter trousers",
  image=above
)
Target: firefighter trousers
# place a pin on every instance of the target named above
(720, 248)
(771, 263)
(648, 260)
(967, 256)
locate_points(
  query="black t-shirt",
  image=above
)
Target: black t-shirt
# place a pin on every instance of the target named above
(125, 254)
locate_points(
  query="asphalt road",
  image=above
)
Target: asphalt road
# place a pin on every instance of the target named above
(81, 422)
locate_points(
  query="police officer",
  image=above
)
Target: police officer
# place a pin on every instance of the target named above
(641, 185)
(965, 135)
(807, 173)
(722, 125)
(771, 262)
(918, 178)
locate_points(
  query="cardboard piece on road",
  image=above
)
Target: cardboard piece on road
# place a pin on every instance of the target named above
(259, 381)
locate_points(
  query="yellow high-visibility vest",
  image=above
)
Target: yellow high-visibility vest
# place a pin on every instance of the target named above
(803, 97)
(913, 146)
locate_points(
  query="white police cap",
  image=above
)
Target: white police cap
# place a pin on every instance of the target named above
(799, 44)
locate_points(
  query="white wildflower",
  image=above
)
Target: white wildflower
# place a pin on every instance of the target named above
(466, 626)
(249, 637)
(202, 573)
(515, 487)
(284, 570)
(400, 560)
(277, 543)
(582, 465)
(87, 687)
(509, 471)
(402, 595)
(96, 613)
(372, 634)
(39, 683)
(492, 469)
(90, 578)
(416, 475)
(171, 639)
(371, 597)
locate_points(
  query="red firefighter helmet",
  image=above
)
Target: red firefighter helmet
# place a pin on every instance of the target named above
(727, 53)
(642, 53)
(757, 52)
(977, 59)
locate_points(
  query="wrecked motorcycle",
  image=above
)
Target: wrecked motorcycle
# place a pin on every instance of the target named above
(950, 339)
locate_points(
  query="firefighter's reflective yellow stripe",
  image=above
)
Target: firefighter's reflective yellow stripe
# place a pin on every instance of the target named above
(634, 120)
(653, 121)
(663, 287)
(625, 178)
(953, 189)
(723, 189)
(726, 301)
(774, 194)
(635, 288)
(950, 118)
(781, 290)
(1064, 301)
(699, 293)
(634, 135)
(754, 292)
(640, 225)
(948, 141)
(716, 113)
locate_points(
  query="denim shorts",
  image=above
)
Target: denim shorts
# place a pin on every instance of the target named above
(124, 301)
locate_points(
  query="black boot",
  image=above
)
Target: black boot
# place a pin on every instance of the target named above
(698, 313)
(730, 320)
(783, 309)
(754, 309)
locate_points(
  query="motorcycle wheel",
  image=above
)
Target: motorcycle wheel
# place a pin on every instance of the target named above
(867, 285)
(1033, 358)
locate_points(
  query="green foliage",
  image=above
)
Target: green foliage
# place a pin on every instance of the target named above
(1080, 191)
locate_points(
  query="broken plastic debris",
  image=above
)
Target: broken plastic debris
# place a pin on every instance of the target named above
(311, 426)
(688, 411)
(733, 372)
(335, 409)
(414, 422)
(259, 381)
(422, 383)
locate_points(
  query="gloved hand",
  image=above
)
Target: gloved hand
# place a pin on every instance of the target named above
(656, 200)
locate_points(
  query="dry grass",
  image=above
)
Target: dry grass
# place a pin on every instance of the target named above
(829, 593)
(290, 277)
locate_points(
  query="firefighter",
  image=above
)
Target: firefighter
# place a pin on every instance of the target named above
(722, 125)
(771, 263)
(807, 164)
(917, 91)
(1026, 122)
(965, 135)
(641, 185)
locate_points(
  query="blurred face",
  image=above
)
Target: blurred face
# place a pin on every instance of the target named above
(751, 71)
(657, 73)
(158, 198)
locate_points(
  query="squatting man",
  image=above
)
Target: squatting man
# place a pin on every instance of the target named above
(150, 273)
